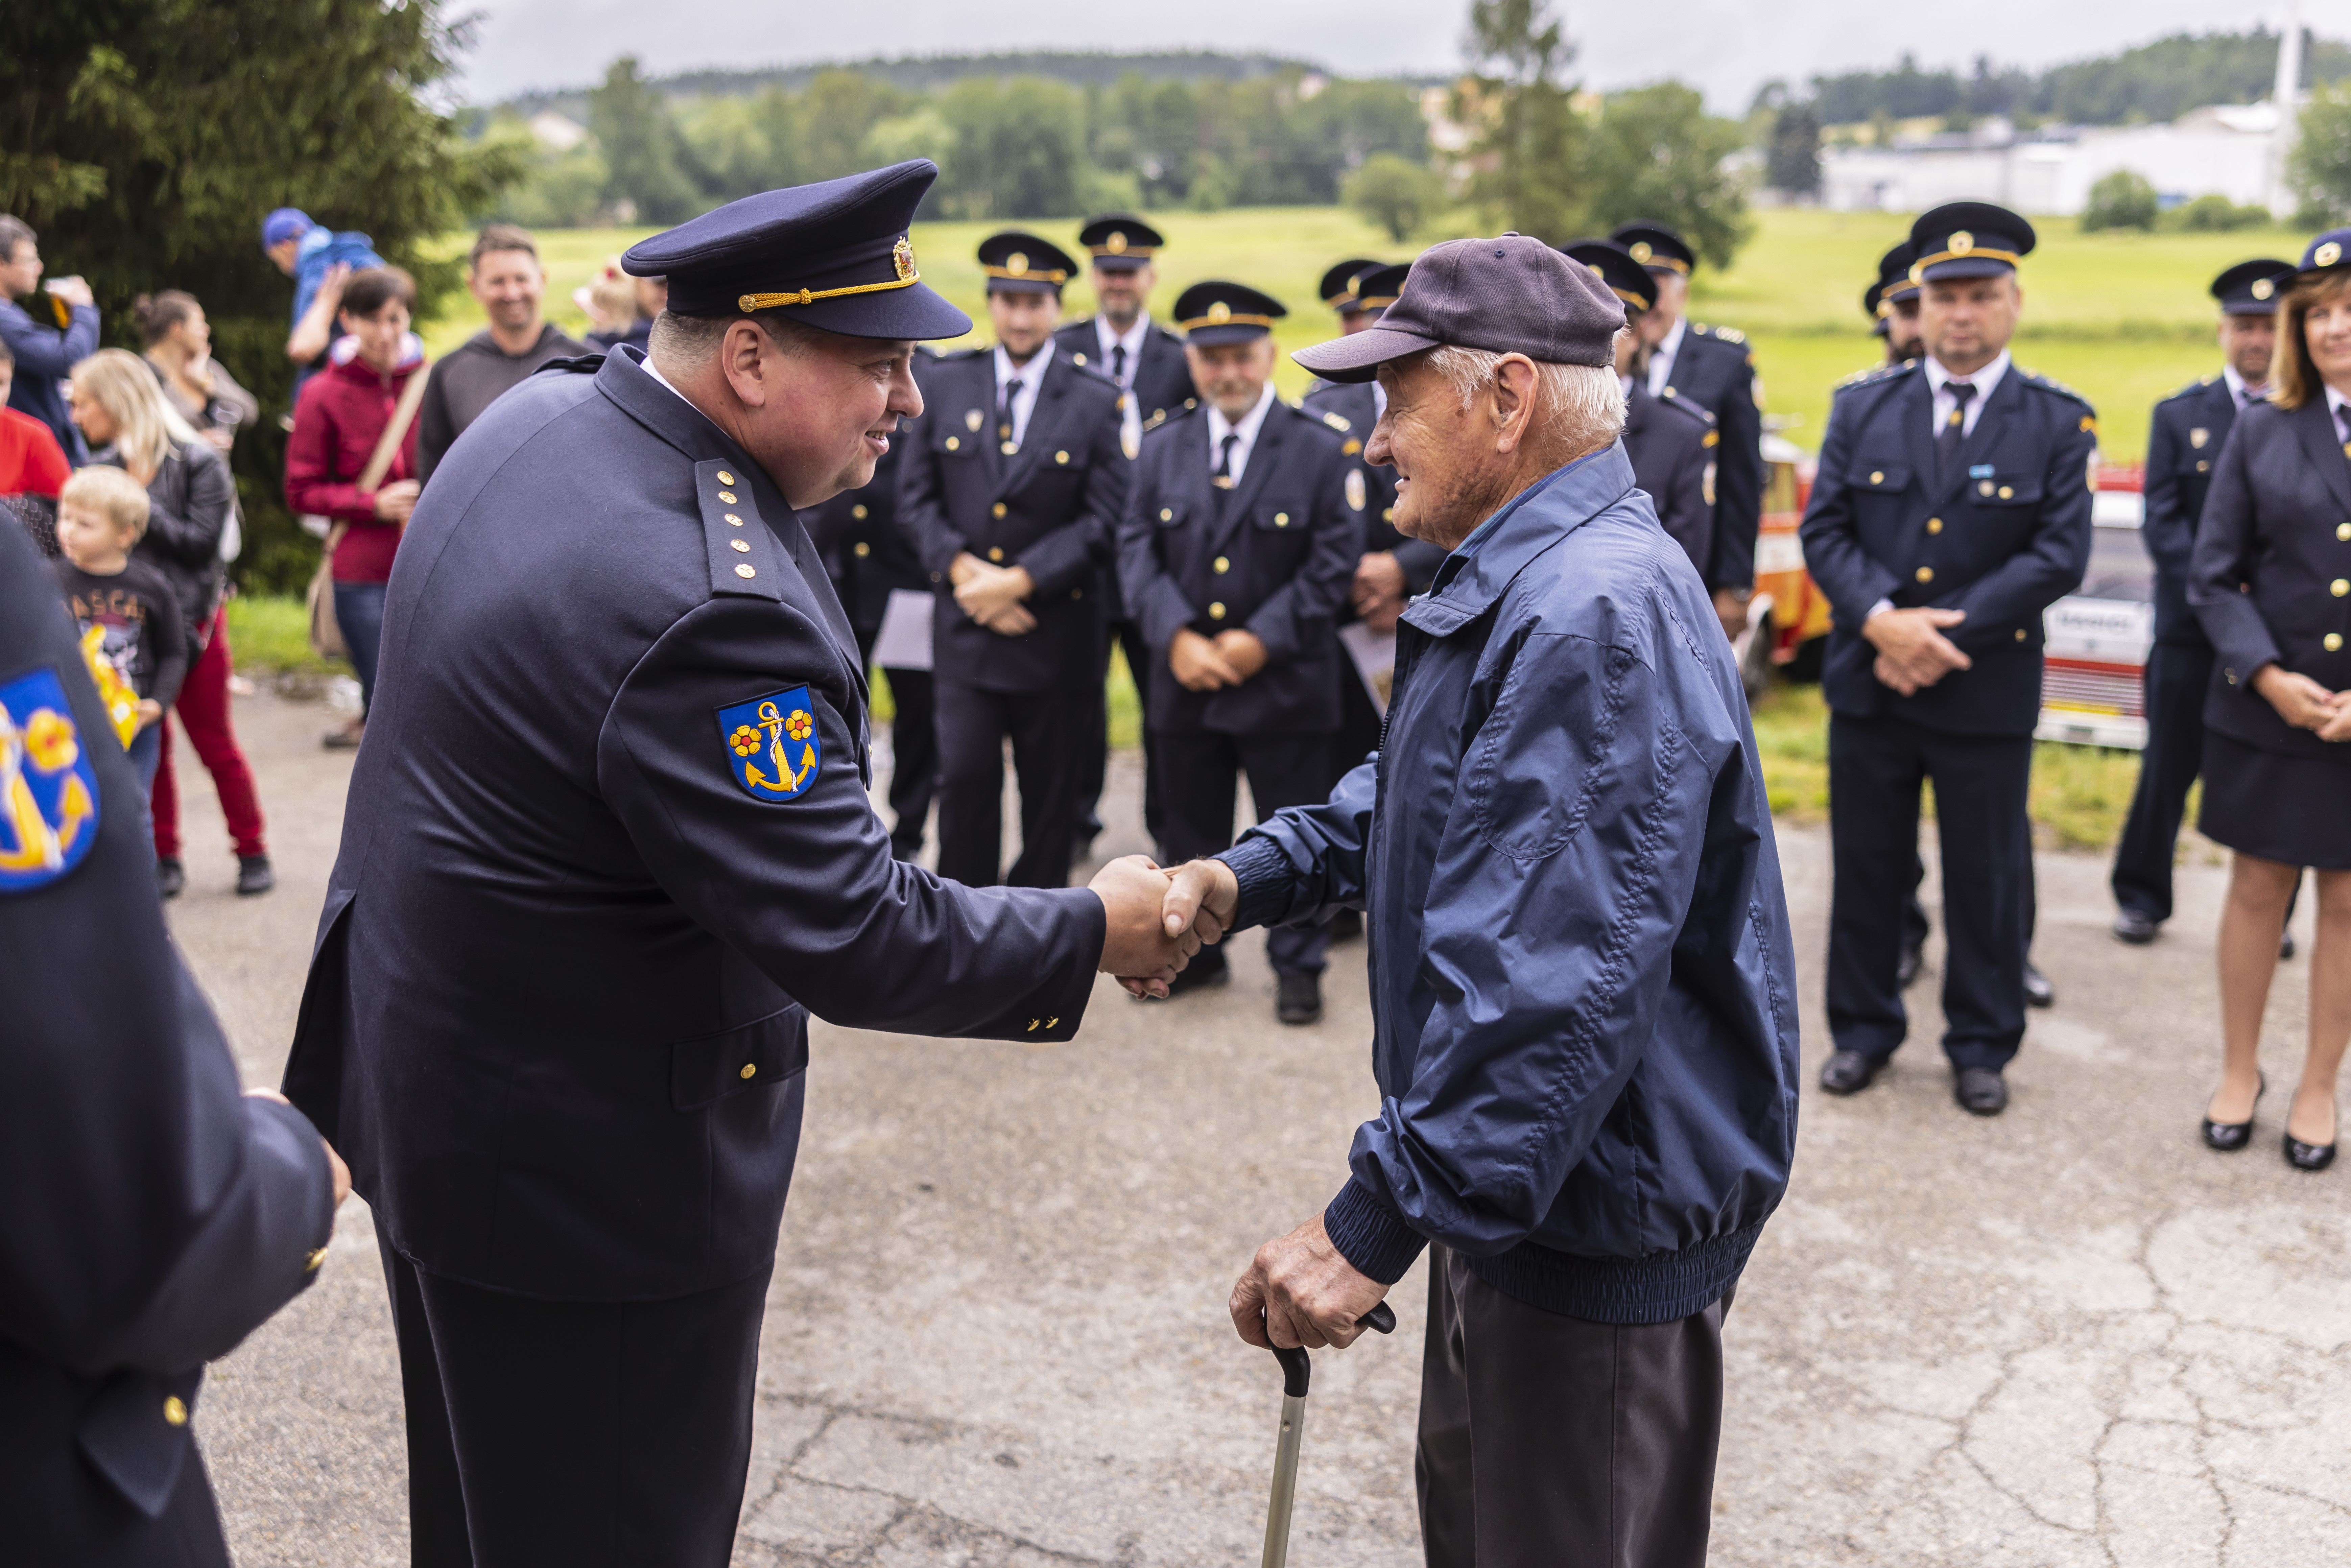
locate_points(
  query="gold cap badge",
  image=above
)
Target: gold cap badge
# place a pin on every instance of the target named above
(1116, 244)
(1640, 253)
(2264, 288)
(1962, 243)
(902, 256)
(1017, 263)
(2328, 254)
(1219, 312)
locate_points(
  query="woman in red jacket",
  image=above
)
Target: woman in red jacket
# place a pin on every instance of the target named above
(337, 420)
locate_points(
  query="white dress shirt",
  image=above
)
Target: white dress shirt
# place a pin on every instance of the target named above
(2240, 392)
(1131, 343)
(1250, 423)
(1985, 380)
(2334, 400)
(1661, 358)
(1030, 376)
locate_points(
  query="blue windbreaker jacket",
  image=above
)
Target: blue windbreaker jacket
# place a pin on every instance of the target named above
(1583, 987)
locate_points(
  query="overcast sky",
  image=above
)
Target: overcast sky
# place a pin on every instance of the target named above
(1726, 46)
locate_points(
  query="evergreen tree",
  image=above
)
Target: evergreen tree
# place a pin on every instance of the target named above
(1531, 149)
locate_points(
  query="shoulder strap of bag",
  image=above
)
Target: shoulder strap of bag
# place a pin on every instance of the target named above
(396, 431)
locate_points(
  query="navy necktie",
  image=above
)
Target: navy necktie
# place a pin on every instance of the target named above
(1948, 439)
(1118, 363)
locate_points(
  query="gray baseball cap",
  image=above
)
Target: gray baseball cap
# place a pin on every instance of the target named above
(1508, 296)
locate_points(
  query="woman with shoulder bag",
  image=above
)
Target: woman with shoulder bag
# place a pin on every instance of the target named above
(352, 457)
(191, 502)
(2270, 581)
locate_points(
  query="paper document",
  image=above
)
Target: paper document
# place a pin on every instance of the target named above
(905, 640)
(1374, 653)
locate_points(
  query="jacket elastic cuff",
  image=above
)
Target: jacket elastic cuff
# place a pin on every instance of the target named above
(1370, 1235)
(1266, 881)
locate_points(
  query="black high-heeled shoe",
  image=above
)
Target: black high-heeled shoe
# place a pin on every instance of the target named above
(2227, 1137)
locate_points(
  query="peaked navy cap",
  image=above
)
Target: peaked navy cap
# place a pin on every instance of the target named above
(1217, 312)
(1017, 262)
(1378, 288)
(1615, 266)
(1894, 280)
(1121, 242)
(1655, 246)
(835, 255)
(1968, 239)
(1338, 286)
(2252, 287)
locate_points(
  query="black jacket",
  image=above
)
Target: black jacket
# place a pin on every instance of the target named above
(2191, 427)
(1274, 556)
(1715, 369)
(2003, 536)
(1354, 405)
(1050, 506)
(1672, 443)
(189, 504)
(151, 1217)
(607, 846)
(2271, 579)
(1163, 383)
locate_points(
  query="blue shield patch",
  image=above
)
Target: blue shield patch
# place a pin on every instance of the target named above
(772, 744)
(48, 794)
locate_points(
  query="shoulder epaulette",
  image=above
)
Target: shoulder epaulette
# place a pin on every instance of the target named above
(2036, 379)
(2196, 385)
(1876, 375)
(1673, 399)
(1164, 416)
(1719, 334)
(962, 354)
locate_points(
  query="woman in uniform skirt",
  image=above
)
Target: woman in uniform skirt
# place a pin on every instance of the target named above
(2272, 584)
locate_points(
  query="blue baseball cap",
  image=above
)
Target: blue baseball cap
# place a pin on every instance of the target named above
(284, 223)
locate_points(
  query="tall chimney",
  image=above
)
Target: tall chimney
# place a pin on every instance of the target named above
(2286, 94)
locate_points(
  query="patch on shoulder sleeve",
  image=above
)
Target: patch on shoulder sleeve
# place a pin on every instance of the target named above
(48, 792)
(772, 744)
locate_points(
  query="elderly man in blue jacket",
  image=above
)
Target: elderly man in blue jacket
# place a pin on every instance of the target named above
(1582, 988)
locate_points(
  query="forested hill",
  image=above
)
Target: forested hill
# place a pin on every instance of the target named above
(2154, 82)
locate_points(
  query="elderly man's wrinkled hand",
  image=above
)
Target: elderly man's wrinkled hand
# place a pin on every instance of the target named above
(1300, 1291)
(1202, 897)
(1138, 948)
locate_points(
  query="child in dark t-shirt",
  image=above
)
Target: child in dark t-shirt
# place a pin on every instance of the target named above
(101, 513)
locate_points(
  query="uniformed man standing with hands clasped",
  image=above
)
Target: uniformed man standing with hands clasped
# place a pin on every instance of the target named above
(1952, 507)
(607, 846)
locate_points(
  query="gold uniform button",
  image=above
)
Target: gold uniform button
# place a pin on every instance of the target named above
(2203, 463)
(995, 552)
(732, 519)
(1281, 519)
(724, 477)
(175, 1411)
(2339, 587)
(743, 544)
(2006, 493)
(728, 497)
(1877, 477)
(998, 510)
(1387, 514)
(1061, 457)
(858, 511)
(2020, 633)
(1934, 525)
(1215, 612)
(2343, 532)
(1222, 564)
(1166, 514)
(1010, 447)
(746, 570)
(2334, 642)
(864, 549)
(954, 442)
(1925, 574)
(750, 1069)
(1077, 593)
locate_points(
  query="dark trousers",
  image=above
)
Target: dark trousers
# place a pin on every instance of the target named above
(1875, 767)
(1198, 770)
(1359, 722)
(1050, 732)
(592, 1434)
(1127, 635)
(359, 615)
(1551, 1442)
(2176, 675)
(913, 750)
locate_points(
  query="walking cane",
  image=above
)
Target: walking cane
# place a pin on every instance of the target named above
(1297, 1370)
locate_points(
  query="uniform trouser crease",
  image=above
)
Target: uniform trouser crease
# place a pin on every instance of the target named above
(1050, 732)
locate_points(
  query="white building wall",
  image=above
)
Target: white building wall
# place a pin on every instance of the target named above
(2224, 150)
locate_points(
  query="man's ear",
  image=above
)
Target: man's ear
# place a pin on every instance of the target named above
(1512, 387)
(743, 356)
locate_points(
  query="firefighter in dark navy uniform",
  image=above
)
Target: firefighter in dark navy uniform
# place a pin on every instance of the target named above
(1713, 368)
(607, 846)
(2183, 446)
(150, 1216)
(1121, 340)
(1240, 542)
(1892, 304)
(1012, 490)
(1671, 441)
(1951, 509)
(1393, 567)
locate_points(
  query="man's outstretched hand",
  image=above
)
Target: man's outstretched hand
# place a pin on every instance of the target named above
(1137, 946)
(1203, 896)
(1300, 1291)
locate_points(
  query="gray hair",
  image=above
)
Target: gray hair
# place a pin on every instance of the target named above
(690, 340)
(1582, 408)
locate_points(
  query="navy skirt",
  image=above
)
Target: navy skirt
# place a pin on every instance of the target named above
(2295, 811)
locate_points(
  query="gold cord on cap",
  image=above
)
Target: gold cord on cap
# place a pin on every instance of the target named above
(901, 257)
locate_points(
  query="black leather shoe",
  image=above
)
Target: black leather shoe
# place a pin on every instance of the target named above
(2136, 928)
(254, 875)
(1298, 998)
(170, 876)
(2227, 1137)
(2285, 943)
(2304, 1156)
(1981, 1091)
(2038, 991)
(1201, 973)
(1848, 1073)
(1913, 959)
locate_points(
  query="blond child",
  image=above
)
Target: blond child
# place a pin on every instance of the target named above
(101, 513)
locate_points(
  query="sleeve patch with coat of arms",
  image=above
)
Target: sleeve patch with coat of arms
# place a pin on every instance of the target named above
(772, 744)
(48, 792)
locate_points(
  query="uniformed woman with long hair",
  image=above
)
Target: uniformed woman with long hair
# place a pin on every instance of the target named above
(2272, 584)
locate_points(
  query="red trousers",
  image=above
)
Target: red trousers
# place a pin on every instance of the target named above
(202, 707)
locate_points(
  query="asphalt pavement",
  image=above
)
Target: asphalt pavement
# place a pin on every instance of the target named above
(996, 1334)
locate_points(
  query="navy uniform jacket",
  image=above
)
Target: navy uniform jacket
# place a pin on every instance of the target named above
(1715, 369)
(1163, 381)
(2271, 576)
(607, 846)
(865, 552)
(2191, 427)
(1274, 555)
(149, 1216)
(1672, 443)
(1352, 402)
(1052, 507)
(2004, 535)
